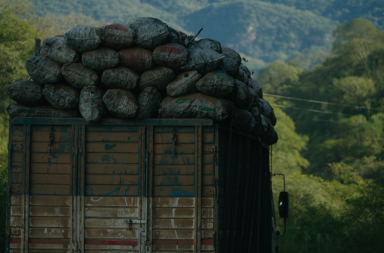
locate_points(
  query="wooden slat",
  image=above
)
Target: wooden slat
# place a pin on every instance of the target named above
(16, 210)
(172, 149)
(16, 200)
(164, 129)
(207, 223)
(49, 222)
(207, 234)
(17, 178)
(49, 233)
(173, 223)
(111, 190)
(115, 169)
(112, 179)
(208, 169)
(43, 147)
(48, 245)
(111, 201)
(174, 169)
(173, 234)
(112, 136)
(50, 168)
(173, 212)
(17, 135)
(50, 158)
(36, 200)
(111, 128)
(15, 221)
(15, 188)
(50, 179)
(114, 158)
(108, 223)
(110, 212)
(207, 202)
(173, 202)
(207, 213)
(111, 233)
(45, 189)
(111, 147)
(168, 138)
(174, 180)
(59, 129)
(208, 158)
(208, 179)
(208, 138)
(174, 191)
(48, 251)
(17, 157)
(173, 159)
(58, 137)
(48, 211)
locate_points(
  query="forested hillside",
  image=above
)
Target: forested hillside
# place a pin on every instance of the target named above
(263, 31)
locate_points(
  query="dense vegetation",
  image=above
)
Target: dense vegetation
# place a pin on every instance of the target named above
(331, 151)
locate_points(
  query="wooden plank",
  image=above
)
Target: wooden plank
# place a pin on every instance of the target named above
(16, 200)
(174, 159)
(207, 202)
(208, 179)
(108, 223)
(167, 138)
(49, 251)
(16, 210)
(45, 189)
(15, 232)
(111, 201)
(58, 137)
(164, 129)
(111, 147)
(114, 158)
(49, 222)
(16, 169)
(173, 212)
(50, 158)
(112, 136)
(208, 169)
(171, 246)
(111, 190)
(50, 179)
(115, 169)
(49, 233)
(126, 212)
(17, 157)
(174, 180)
(36, 200)
(111, 233)
(48, 245)
(43, 147)
(48, 211)
(208, 158)
(103, 247)
(173, 202)
(173, 234)
(112, 179)
(50, 168)
(18, 135)
(44, 128)
(15, 188)
(16, 178)
(174, 169)
(207, 223)
(173, 224)
(207, 213)
(174, 149)
(174, 191)
(15, 221)
(207, 234)
(208, 138)
(111, 128)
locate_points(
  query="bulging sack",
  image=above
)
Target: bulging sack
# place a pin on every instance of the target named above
(243, 120)
(263, 124)
(148, 101)
(83, 38)
(101, 59)
(174, 36)
(172, 56)
(216, 84)
(26, 93)
(120, 78)
(243, 98)
(91, 104)
(16, 110)
(152, 34)
(268, 112)
(242, 76)
(185, 83)
(61, 96)
(43, 70)
(230, 66)
(196, 105)
(257, 87)
(270, 137)
(231, 53)
(56, 49)
(120, 103)
(117, 36)
(78, 76)
(135, 22)
(208, 44)
(138, 59)
(203, 60)
(246, 70)
(157, 77)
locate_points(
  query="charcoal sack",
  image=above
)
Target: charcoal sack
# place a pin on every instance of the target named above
(243, 120)
(135, 22)
(152, 34)
(83, 38)
(196, 105)
(56, 49)
(157, 77)
(61, 96)
(185, 83)
(120, 103)
(207, 44)
(216, 84)
(172, 56)
(26, 93)
(246, 70)
(138, 59)
(232, 54)
(91, 104)
(78, 76)
(174, 36)
(203, 60)
(16, 110)
(263, 124)
(270, 137)
(148, 102)
(230, 66)
(43, 70)
(117, 36)
(101, 59)
(120, 78)
(242, 76)
(243, 98)
(257, 87)
(268, 112)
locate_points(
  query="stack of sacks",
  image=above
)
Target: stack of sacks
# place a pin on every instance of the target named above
(143, 69)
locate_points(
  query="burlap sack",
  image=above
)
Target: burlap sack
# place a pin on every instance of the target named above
(242, 76)
(43, 70)
(203, 60)
(78, 76)
(216, 84)
(185, 83)
(243, 98)
(243, 120)
(152, 34)
(16, 110)
(61, 96)
(83, 38)
(246, 70)
(207, 44)
(138, 59)
(91, 104)
(120, 78)
(56, 49)
(157, 77)
(101, 59)
(257, 87)
(172, 56)
(230, 66)
(148, 101)
(121, 103)
(26, 93)
(117, 36)
(231, 53)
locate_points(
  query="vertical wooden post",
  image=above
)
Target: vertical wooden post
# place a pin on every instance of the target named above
(37, 47)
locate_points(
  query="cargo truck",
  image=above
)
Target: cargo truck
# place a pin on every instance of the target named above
(156, 185)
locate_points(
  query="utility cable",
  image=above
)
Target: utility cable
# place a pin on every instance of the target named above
(309, 110)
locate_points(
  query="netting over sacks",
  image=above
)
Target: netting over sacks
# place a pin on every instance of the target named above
(140, 70)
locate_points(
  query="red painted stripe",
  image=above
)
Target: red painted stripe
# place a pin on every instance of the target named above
(15, 240)
(102, 242)
(171, 50)
(173, 242)
(206, 242)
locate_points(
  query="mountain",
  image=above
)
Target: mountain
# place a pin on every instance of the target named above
(262, 31)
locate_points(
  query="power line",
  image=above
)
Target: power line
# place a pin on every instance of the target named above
(320, 102)
(309, 110)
